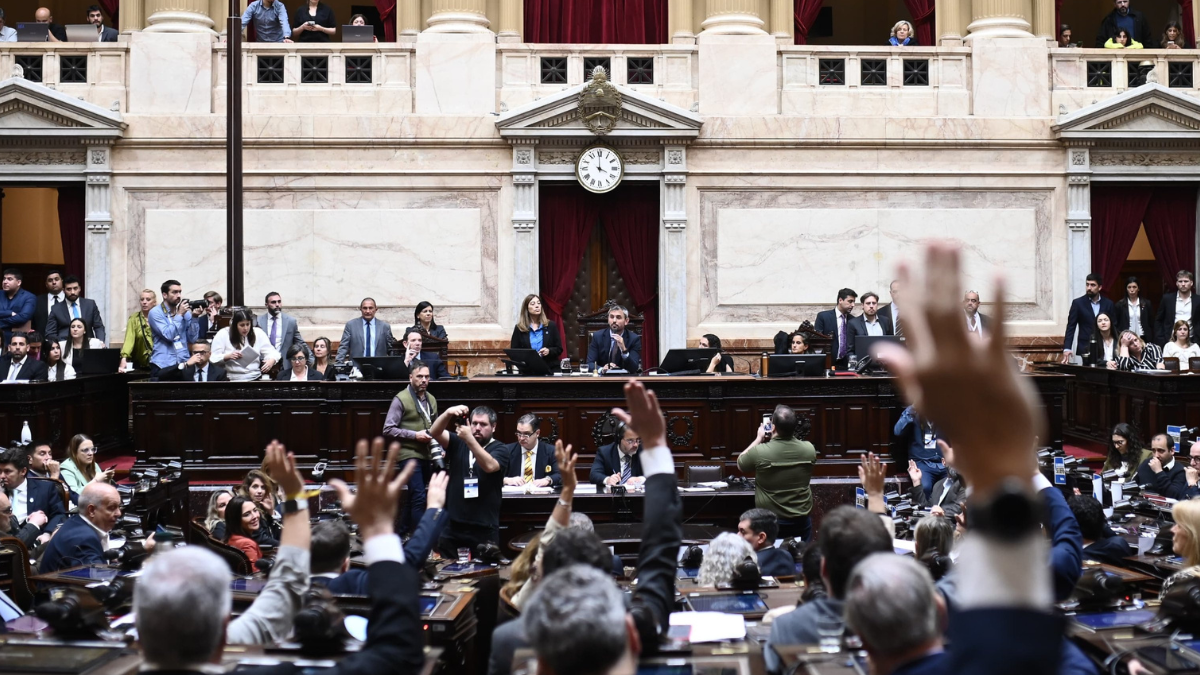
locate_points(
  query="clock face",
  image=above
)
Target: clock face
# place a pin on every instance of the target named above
(599, 168)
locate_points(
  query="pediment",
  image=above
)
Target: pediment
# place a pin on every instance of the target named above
(1150, 112)
(28, 109)
(558, 116)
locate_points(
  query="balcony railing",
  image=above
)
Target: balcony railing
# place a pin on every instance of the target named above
(97, 73)
(1080, 77)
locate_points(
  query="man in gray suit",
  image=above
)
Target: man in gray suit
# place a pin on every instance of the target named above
(58, 323)
(281, 329)
(366, 335)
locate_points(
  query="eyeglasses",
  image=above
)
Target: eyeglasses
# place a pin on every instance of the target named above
(300, 357)
(7, 512)
(523, 434)
(88, 451)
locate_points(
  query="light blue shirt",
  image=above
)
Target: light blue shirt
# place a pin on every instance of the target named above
(170, 335)
(8, 34)
(270, 23)
(537, 337)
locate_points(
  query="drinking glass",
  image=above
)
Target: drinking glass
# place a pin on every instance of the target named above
(464, 555)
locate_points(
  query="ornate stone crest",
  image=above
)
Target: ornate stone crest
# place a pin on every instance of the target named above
(599, 103)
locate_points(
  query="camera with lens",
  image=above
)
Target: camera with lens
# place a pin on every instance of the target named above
(74, 613)
(200, 303)
(437, 455)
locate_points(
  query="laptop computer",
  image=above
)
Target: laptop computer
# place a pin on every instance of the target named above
(530, 362)
(99, 361)
(382, 367)
(358, 33)
(82, 32)
(33, 32)
(786, 365)
(679, 360)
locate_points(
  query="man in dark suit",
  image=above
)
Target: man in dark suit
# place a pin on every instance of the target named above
(892, 309)
(531, 460)
(28, 532)
(836, 324)
(1100, 543)
(1161, 473)
(58, 324)
(1084, 311)
(978, 324)
(1180, 305)
(96, 18)
(412, 342)
(194, 581)
(759, 527)
(83, 539)
(366, 335)
(616, 347)
(871, 322)
(53, 295)
(198, 368)
(281, 328)
(32, 500)
(17, 364)
(619, 462)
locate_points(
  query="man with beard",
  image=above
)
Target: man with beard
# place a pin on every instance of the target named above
(616, 347)
(1178, 306)
(170, 323)
(408, 423)
(281, 328)
(1084, 311)
(871, 322)
(473, 461)
(1131, 20)
(948, 493)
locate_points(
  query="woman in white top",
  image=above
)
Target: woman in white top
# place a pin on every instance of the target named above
(77, 342)
(60, 369)
(240, 335)
(1181, 346)
(1103, 352)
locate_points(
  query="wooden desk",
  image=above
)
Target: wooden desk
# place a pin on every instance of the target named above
(1098, 399)
(219, 429)
(526, 513)
(96, 405)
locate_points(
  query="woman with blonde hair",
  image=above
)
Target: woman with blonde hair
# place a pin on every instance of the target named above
(534, 331)
(215, 520)
(1181, 345)
(139, 342)
(80, 466)
(724, 554)
(902, 35)
(1185, 542)
(1135, 353)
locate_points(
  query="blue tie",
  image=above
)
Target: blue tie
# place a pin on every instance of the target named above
(626, 469)
(74, 310)
(369, 350)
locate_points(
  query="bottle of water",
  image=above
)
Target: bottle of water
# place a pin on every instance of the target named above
(26, 434)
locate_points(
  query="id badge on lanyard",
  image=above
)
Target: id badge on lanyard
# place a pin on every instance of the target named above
(930, 440)
(470, 488)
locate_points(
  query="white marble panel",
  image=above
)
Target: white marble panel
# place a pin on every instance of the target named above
(187, 245)
(170, 73)
(278, 255)
(738, 75)
(456, 73)
(1010, 77)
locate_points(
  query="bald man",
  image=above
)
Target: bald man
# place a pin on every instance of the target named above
(83, 539)
(57, 33)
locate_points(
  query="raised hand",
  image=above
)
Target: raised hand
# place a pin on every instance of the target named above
(645, 416)
(566, 465)
(281, 466)
(435, 492)
(871, 474)
(914, 472)
(374, 507)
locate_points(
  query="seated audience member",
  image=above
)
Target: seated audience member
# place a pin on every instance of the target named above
(580, 521)
(31, 497)
(77, 342)
(721, 362)
(214, 522)
(848, 535)
(1125, 451)
(1172, 37)
(1064, 37)
(17, 365)
(194, 583)
(473, 459)
(1192, 473)
(893, 607)
(57, 369)
(797, 343)
(1181, 347)
(96, 18)
(1123, 17)
(783, 468)
(923, 449)
(423, 319)
(534, 331)
(322, 360)
(360, 20)
(29, 532)
(243, 524)
(619, 462)
(617, 347)
(871, 322)
(34, 340)
(518, 592)
(365, 336)
(1161, 473)
(1185, 543)
(81, 467)
(1066, 542)
(1082, 316)
(270, 21)
(933, 542)
(947, 495)
(17, 305)
(298, 369)
(259, 488)
(1099, 542)
(41, 460)
(242, 335)
(759, 527)
(1134, 313)
(413, 342)
(83, 538)
(1103, 351)
(902, 35)
(810, 569)
(198, 367)
(1122, 41)
(7, 33)
(314, 22)
(531, 461)
(724, 554)
(139, 341)
(58, 32)
(836, 324)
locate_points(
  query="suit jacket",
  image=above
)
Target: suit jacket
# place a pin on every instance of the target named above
(1082, 316)
(352, 344)
(26, 532)
(776, 562)
(662, 533)
(608, 462)
(601, 345)
(285, 375)
(16, 312)
(858, 326)
(1145, 313)
(551, 340)
(216, 373)
(1164, 325)
(75, 543)
(58, 323)
(826, 323)
(543, 459)
(1110, 550)
(289, 334)
(1066, 543)
(952, 487)
(32, 370)
(108, 35)
(41, 312)
(43, 495)
(1168, 483)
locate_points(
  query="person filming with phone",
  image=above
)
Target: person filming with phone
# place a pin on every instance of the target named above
(782, 468)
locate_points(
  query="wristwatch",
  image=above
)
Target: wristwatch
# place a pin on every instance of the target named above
(1008, 515)
(294, 505)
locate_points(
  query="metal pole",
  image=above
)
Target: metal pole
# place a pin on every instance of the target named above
(233, 159)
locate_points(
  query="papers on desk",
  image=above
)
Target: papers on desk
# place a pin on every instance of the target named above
(249, 357)
(716, 484)
(525, 489)
(711, 626)
(697, 489)
(1152, 371)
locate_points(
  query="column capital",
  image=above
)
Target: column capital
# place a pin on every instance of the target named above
(733, 17)
(459, 16)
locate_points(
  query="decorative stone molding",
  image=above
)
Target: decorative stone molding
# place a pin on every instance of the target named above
(1144, 159)
(43, 158)
(557, 157)
(649, 158)
(178, 16)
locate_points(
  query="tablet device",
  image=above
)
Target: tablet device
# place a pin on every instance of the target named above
(247, 585)
(82, 32)
(729, 603)
(429, 603)
(464, 568)
(687, 572)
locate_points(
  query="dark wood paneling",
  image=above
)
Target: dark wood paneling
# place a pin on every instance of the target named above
(1098, 399)
(96, 405)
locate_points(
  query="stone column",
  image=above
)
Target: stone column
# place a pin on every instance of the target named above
(511, 26)
(524, 222)
(178, 16)
(999, 18)
(98, 219)
(131, 16)
(948, 22)
(408, 20)
(458, 16)
(1079, 219)
(679, 19)
(782, 18)
(1043, 20)
(672, 267)
(732, 17)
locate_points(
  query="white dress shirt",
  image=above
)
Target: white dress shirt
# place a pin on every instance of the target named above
(1135, 318)
(894, 311)
(1183, 309)
(236, 371)
(1109, 348)
(20, 501)
(53, 299)
(68, 372)
(974, 325)
(296, 377)
(14, 369)
(201, 370)
(102, 533)
(278, 321)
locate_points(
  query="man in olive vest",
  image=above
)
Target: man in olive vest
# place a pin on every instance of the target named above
(408, 420)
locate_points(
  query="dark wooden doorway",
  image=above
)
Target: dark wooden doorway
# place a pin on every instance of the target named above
(597, 281)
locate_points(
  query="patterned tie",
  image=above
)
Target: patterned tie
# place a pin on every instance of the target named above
(626, 469)
(843, 344)
(528, 467)
(898, 329)
(275, 333)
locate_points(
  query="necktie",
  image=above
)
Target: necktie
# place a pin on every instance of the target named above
(275, 332)
(898, 329)
(370, 348)
(626, 470)
(57, 299)
(528, 467)
(199, 374)
(74, 310)
(614, 353)
(843, 345)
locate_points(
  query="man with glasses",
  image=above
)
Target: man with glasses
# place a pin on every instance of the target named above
(1192, 472)
(197, 368)
(530, 460)
(620, 462)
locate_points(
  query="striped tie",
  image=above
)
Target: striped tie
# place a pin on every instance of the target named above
(528, 467)
(626, 470)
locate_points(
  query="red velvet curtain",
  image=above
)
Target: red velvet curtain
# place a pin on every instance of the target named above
(1116, 216)
(805, 12)
(629, 22)
(631, 222)
(1170, 222)
(71, 215)
(1058, 4)
(387, 14)
(111, 7)
(1189, 28)
(923, 24)
(565, 221)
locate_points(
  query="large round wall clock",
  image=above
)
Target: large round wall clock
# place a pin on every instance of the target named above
(599, 168)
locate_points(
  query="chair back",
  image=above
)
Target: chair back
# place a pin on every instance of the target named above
(430, 343)
(1171, 363)
(706, 472)
(198, 534)
(1194, 363)
(15, 572)
(237, 561)
(598, 320)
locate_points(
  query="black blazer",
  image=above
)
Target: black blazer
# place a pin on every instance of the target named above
(827, 324)
(216, 373)
(32, 370)
(75, 543)
(542, 459)
(1081, 316)
(858, 326)
(1166, 318)
(550, 340)
(1110, 550)
(41, 313)
(43, 495)
(58, 323)
(286, 375)
(662, 534)
(601, 345)
(608, 462)
(776, 562)
(1145, 313)
(1168, 483)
